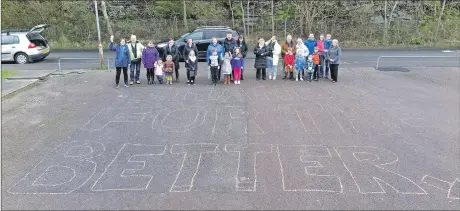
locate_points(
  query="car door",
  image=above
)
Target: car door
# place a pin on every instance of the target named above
(35, 34)
(8, 47)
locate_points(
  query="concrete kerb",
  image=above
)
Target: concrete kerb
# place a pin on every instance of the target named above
(34, 83)
(36, 79)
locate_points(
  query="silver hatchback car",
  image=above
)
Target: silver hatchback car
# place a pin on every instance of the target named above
(24, 46)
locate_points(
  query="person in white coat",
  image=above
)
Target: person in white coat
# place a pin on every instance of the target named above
(300, 46)
(276, 57)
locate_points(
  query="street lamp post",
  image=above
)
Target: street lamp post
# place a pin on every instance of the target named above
(101, 52)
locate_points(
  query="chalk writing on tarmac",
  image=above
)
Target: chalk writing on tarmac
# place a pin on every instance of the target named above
(302, 168)
(169, 157)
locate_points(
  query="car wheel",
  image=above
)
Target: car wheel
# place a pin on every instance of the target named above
(21, 58)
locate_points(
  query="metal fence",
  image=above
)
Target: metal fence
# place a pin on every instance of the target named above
(77, 58)
(378, 60)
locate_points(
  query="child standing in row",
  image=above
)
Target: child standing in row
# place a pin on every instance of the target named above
(316, 59)
(192, 66)
(168, 69)
(299, 64)
(237, 65)
(214, 62)
(310, 68)
(159, 67)
(289, 64)
(227, 68)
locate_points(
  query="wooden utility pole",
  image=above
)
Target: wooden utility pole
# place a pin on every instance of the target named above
(101, 52)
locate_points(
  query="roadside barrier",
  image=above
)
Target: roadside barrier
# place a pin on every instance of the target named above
(378, 60)
(76, 58)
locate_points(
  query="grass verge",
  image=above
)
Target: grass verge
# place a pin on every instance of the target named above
(8, 73)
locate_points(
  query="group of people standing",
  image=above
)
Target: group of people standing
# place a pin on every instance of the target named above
(134, 53)
(312, 58)
(309, 60)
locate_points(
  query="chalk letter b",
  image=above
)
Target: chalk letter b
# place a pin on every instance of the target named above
(68, 168)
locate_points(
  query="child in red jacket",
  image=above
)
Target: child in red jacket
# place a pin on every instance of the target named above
(289, 64)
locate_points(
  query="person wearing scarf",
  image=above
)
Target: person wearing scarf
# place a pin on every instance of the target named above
(192, 67)
(261, 51)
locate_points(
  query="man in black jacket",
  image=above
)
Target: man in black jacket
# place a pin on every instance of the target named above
(171, 49)
(229, 45)
(190, 46)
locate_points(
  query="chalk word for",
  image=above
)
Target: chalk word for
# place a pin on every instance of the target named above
(304, 168)
(306, 119)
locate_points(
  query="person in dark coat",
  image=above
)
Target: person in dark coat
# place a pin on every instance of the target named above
(261, 51)
(229, 43)
(190, 46)
(229, 46)
(241, 44)
(171, 49)
(150, 55)
(122, 60)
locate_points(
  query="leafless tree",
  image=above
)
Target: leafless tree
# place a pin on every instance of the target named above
(185, 16)
(231, 9)
(244, 22)
(273, 18)
(439, 19)
(106, 17)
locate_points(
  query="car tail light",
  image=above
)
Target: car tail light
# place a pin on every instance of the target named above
(31, 45)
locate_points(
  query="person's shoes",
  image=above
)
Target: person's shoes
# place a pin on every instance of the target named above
(257, 79)
(301, 78)
(239, 82)
(264, 79)
(193, 82)
(269, 77)
(274, 77)
(126, 85)
(131, 83)
(188, 81)
(296, 79)
(177, 81)
(138, 82)
(117, 86)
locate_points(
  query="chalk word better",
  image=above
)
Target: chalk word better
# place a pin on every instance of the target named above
(303, 168)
